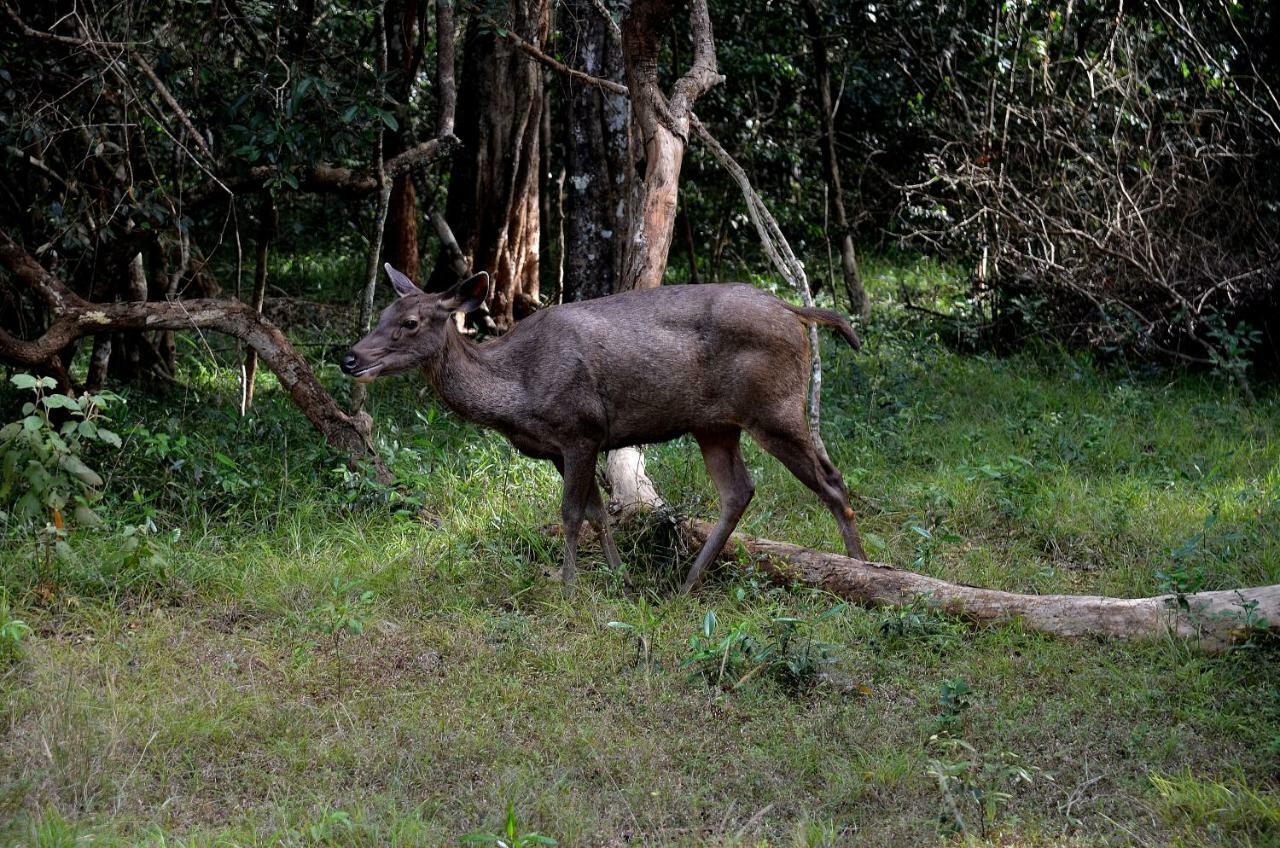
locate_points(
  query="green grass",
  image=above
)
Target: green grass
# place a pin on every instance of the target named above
(189, 697)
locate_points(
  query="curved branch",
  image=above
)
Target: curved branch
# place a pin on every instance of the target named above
(76, 317)
(532, 51)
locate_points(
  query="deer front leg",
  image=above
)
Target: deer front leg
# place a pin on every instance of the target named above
(579, 471)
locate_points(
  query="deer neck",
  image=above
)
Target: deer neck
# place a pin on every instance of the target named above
(474, 382)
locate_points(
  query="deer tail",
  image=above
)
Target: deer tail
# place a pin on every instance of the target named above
(828, 318)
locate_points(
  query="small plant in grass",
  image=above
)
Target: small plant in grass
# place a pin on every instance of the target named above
(344, 612)
(790, 654)
(953, 704)
(974, 786)
(794, 656)
(51, 830)
(929, 544)
(1249, 629)
(1185, 574)
(13, 631)
(44, 481)
(335, 827)
(511, 836)
(647, 619)
(719, 660)
(919, 620)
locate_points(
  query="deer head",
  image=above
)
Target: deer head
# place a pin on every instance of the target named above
(411, 330)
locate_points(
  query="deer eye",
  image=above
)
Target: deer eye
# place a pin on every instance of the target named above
(409, 323)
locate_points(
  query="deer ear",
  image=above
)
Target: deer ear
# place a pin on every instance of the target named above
(468, 295)
(403, 285)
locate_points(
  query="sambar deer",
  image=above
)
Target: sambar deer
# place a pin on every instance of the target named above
(635, 368)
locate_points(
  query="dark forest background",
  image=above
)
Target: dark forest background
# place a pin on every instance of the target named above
(1098, 174)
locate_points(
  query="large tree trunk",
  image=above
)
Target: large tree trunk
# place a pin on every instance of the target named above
(493, 204)
(1214, 619)
(857, 294)
(659, 131)
(400, 240)
(595, 155)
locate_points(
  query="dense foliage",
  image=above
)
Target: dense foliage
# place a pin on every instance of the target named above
(1105, 177)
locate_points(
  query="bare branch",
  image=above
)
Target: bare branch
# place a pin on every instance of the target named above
(167, 96)
(558, 66)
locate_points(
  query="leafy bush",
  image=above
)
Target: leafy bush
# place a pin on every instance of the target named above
(41, 469)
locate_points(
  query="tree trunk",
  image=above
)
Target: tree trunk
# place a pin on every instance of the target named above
(659, 131)
(595, 155)
(858, 299)
(400, 241)
(656, 142)
(1214, 619)
(493, 205)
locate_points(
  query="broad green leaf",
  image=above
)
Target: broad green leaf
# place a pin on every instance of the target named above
(74, 466)
(86, 516)
(60, 402)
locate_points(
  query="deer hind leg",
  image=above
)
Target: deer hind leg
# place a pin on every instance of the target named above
(722, 454)
(791, 443)
(598, 518)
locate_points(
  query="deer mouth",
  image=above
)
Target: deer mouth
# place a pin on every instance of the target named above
(367, 373)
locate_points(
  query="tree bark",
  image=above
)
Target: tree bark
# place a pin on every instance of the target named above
(493, 204)
(659, 131)
(595, 155)
(1214, 619)
(400, 246)
(858, 299)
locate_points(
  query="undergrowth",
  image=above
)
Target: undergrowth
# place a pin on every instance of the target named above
(260, 646)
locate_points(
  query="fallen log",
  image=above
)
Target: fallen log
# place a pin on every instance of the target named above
(1213, 619)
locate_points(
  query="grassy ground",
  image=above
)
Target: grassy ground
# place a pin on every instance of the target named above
(297, 657)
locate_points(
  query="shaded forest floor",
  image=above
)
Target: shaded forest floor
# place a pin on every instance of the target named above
(192, 690)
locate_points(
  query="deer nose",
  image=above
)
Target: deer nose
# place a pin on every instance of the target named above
(349, 363)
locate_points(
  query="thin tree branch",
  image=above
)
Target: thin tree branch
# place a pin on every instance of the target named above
(581, 76)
